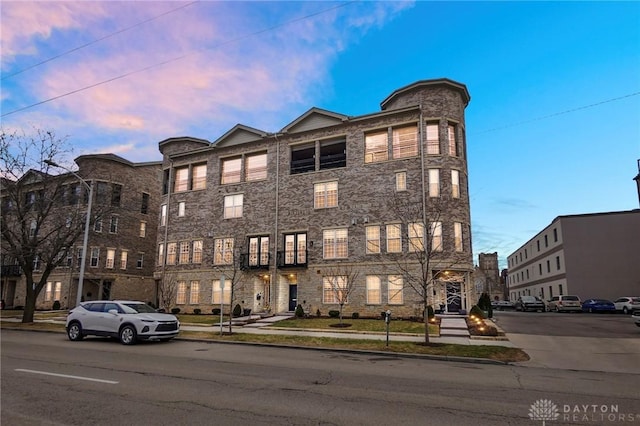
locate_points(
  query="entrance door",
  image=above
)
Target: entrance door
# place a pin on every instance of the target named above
(454, 298)
(293, 297)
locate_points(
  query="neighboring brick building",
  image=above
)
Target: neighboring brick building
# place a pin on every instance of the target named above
(121, 245)
(487, 279)
(328, 196)
(588, 255)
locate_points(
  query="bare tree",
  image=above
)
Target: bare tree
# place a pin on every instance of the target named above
(342, 280)
(167, 291)
(227, 260)
(426, 261)
(41, 219)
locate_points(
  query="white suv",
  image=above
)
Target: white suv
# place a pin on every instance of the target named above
(126, 320)
(627, 304)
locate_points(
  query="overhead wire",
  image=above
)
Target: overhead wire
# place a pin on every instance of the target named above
(177, 58)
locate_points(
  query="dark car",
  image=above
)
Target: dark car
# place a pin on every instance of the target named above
(529, 303)
(598, 305)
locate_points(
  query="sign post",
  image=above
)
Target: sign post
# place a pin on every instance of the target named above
(221, 300)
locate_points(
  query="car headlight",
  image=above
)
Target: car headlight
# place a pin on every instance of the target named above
(149, 321)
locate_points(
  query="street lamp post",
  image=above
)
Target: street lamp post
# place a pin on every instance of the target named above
(637, 179)
(87, 223)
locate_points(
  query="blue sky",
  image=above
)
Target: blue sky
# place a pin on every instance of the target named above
(553, 126)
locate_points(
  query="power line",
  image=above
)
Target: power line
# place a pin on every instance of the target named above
(98, 40)
(555, 114)
(158, 64)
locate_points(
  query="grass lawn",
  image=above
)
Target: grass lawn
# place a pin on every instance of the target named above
(370, 325)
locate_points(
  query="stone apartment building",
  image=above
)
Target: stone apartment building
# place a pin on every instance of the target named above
(122, 236)
(331, 204)
(487, 278)
(589, 255)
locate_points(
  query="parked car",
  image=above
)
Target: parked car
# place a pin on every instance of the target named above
(502, 305)
(529, 303)
(636, 317)
(627, 304)
(565, 303)
(127, 320)
(598, 305)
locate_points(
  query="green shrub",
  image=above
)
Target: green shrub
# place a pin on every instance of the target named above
(56, 305)
(237, 310)
(355, 315)
(334, 313)
(475, 310)
(175, 311)
(215, 311)
(197, 311)
(484, 303)
(299, 311)
(318, 313)
(430, 312)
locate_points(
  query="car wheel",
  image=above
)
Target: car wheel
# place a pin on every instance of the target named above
(74, 332)
(557, 310)
(128, 335)
(625, 310)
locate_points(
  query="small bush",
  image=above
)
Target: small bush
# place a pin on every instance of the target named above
(237, 310)
(318, 313)
(175, 311)
(299, 311)
(430, 312)
(215, 311)
(56, 305)
(334, 313)
(197, 311)
(355, 315)
(475, 310)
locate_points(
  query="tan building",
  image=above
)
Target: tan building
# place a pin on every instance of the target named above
(122, 236)
(588, 255)
(329, 202)
(487, 279)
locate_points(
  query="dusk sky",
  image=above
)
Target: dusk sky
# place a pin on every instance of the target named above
(553, 126)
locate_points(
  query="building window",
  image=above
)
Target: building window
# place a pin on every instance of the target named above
(394, 290)
(550, 292)
(540, 269)
(197, 251)
(401, 181)
(452, 139)
(303, 159)
(182, 179)
(433, 139)
(233, 206)
(171, 253)
(538, 244)
(373, 239)
(394, 238)
(113, 225)
(546, 241)
(111, 258)
(416, 237)
(220, 295)
(95, 257)
(181, 294)
(223, 251)
(256, 167)
(295, 249)
(455, 183)
(140, 261)
(335, 244)
(97, 225)
(48, 294)
(558, 263)
(436, 236)
(184, 252)
(405, 141)
(560, 289)
(163, 215)
(334, 289)
(116, 195)
(259, 251)
(54, 291)
(181, 208)
(374, 295)
(333, 154)
(144, 206)
(548, 266)
(231, 170)
(375, 147)
(434, 182)
(161, 254)
(325, 195)
(194, 293)
(555, 235)
(143, 229)
(123, 259)
(457, 237)
(199, 176)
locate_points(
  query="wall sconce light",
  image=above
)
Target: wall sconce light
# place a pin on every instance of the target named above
(365, 220)
(310, 244)
(354, 221)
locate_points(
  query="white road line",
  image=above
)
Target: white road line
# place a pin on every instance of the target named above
(111, 382)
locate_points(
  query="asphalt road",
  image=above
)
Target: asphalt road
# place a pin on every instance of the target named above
(47, 380)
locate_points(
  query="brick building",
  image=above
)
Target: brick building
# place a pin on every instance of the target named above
(327, 203)
(122, 236)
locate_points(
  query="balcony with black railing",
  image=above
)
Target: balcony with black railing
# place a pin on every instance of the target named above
(292, 259)
(11, 271)
(254, 261)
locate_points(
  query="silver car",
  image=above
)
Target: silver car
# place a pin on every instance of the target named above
(565, 303)
(126, 320)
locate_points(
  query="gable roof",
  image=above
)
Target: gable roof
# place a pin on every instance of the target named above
(314, 118)
(239, 134)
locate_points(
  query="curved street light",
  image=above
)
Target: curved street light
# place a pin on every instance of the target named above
(86, 227)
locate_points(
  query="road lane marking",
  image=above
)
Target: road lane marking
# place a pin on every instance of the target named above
(46, 373)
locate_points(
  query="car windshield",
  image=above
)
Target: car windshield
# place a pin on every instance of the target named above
(570, 298)
(137, 308)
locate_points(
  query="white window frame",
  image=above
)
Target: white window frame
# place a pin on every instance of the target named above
(405, 141)
(436, 236)
(194, 293)
(401, 181)
(335, 243)
(181, 293)
(223, 251)
(95, 257)
(124, 257)
(416, 237)
(455, 183)
(161, 254)
(183, 255)
(373, 290)
(452, 140)
(325, 195)
(233, 205)
(113, 225)
(181, 179)
(163, 215)
(376, 146)
(182, 208)
(457, 237)
(172, 253)
(256, 167)
(334, 289)
(434, 182)
(143, 229)
(199, 177)
(395, 287)
(394, 238)
(372, 233)
(111, 258)
(197, 251)
(433, 139)
(231, 170)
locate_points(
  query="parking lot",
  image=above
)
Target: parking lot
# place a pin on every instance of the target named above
(567, 324)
